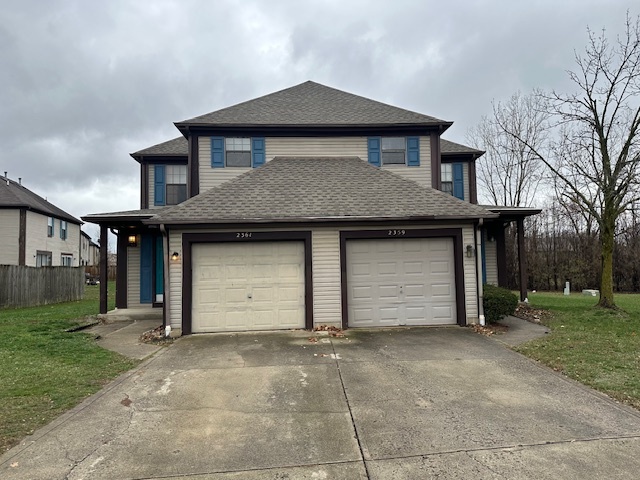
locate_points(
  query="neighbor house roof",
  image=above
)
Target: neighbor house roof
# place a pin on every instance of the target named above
(289, 189)
(178, 147)
(312, 104)
(15, 195)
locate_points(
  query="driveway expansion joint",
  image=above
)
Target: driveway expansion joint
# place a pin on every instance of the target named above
(346, 399)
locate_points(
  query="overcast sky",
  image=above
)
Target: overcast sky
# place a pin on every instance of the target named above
(83, 83)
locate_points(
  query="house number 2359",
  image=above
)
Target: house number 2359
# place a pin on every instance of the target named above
(396, 233)
(243, 235)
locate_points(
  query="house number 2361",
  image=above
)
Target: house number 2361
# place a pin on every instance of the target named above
(396, 233)
(243, 235)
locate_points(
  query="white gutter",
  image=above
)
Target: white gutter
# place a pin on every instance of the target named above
(478, 239)
(165, 267)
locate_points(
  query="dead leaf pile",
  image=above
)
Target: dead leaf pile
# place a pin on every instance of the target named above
(330, 329)
(155, 336)
(530, 314)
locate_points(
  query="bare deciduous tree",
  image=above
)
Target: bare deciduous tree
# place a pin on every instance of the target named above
(595, 149)
(509, 173)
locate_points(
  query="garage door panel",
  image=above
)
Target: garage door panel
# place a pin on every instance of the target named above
(248, 286)
(400, 282)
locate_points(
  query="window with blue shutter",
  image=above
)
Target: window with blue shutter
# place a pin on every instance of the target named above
(217, 152)
(159, 185)
(458, 181)
(373, 144)
(413, 151)
(257, 152)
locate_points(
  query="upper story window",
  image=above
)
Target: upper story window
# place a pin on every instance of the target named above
(452, 179)
(50, 227)
(394, 151)
(446, 178)
(169, 184)
(237, 152)
(63, 229)
(176, 184)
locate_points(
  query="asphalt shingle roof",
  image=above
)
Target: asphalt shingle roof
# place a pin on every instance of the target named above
(14, 195)
(318, 189)
(177, 146)
(448, 147)
(312, 104)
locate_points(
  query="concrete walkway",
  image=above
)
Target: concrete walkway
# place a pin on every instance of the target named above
(520, 331)
(123, 337)
(397, 403)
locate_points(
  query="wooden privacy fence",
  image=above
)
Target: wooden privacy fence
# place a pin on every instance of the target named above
(29, 286)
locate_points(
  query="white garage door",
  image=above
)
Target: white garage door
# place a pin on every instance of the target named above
(401, 282)
(247, 286)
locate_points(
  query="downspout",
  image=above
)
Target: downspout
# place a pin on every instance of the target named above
(165, 269)
(478, 239)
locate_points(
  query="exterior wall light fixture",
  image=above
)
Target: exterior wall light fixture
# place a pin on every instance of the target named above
(175, 256)
(470, 251)
(132, 240)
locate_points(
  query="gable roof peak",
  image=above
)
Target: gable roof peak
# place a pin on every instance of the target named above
(311, 104)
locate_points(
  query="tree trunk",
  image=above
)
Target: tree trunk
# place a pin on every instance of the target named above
(607, 239)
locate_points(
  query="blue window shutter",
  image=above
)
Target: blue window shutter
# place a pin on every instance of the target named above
(413, 151)
(373, 144)
(146, 268)
(61, 231)
(257, 152)
(159, 185)
(217, 152)
(458, 181)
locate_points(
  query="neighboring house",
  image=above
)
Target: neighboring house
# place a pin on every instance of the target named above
(309, 206)
(34, 232)
(89, 251)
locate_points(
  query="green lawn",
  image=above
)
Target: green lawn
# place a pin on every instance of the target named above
(45, 370)
(597, 347)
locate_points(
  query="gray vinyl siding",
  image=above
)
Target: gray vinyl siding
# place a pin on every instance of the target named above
(327, 307)
(133, 277)
(465, 175)
(309, 147)
(327, 295)
(491, 260)
(9, 236)
(37, 239)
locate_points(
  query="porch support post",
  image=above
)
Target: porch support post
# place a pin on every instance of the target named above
(104, 277)
(522, 260)
(121, 270)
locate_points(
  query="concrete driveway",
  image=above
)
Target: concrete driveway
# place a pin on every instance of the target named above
(401, 404)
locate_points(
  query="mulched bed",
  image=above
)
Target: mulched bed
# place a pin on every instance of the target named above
(490, 329)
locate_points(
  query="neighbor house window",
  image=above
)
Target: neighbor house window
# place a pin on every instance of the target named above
(43, 259)
(446, 178)
(393, 150)
(63, 229)
(237, 152)
(176, 184)
(66, 260)
(50, 224)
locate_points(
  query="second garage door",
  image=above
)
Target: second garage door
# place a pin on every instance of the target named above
(401, 282)
(248, 286)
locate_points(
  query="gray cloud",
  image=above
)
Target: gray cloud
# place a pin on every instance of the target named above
(86, 83)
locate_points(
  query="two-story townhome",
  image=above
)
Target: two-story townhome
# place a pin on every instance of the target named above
(33, 231)
(309, 206)
(89, 251)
